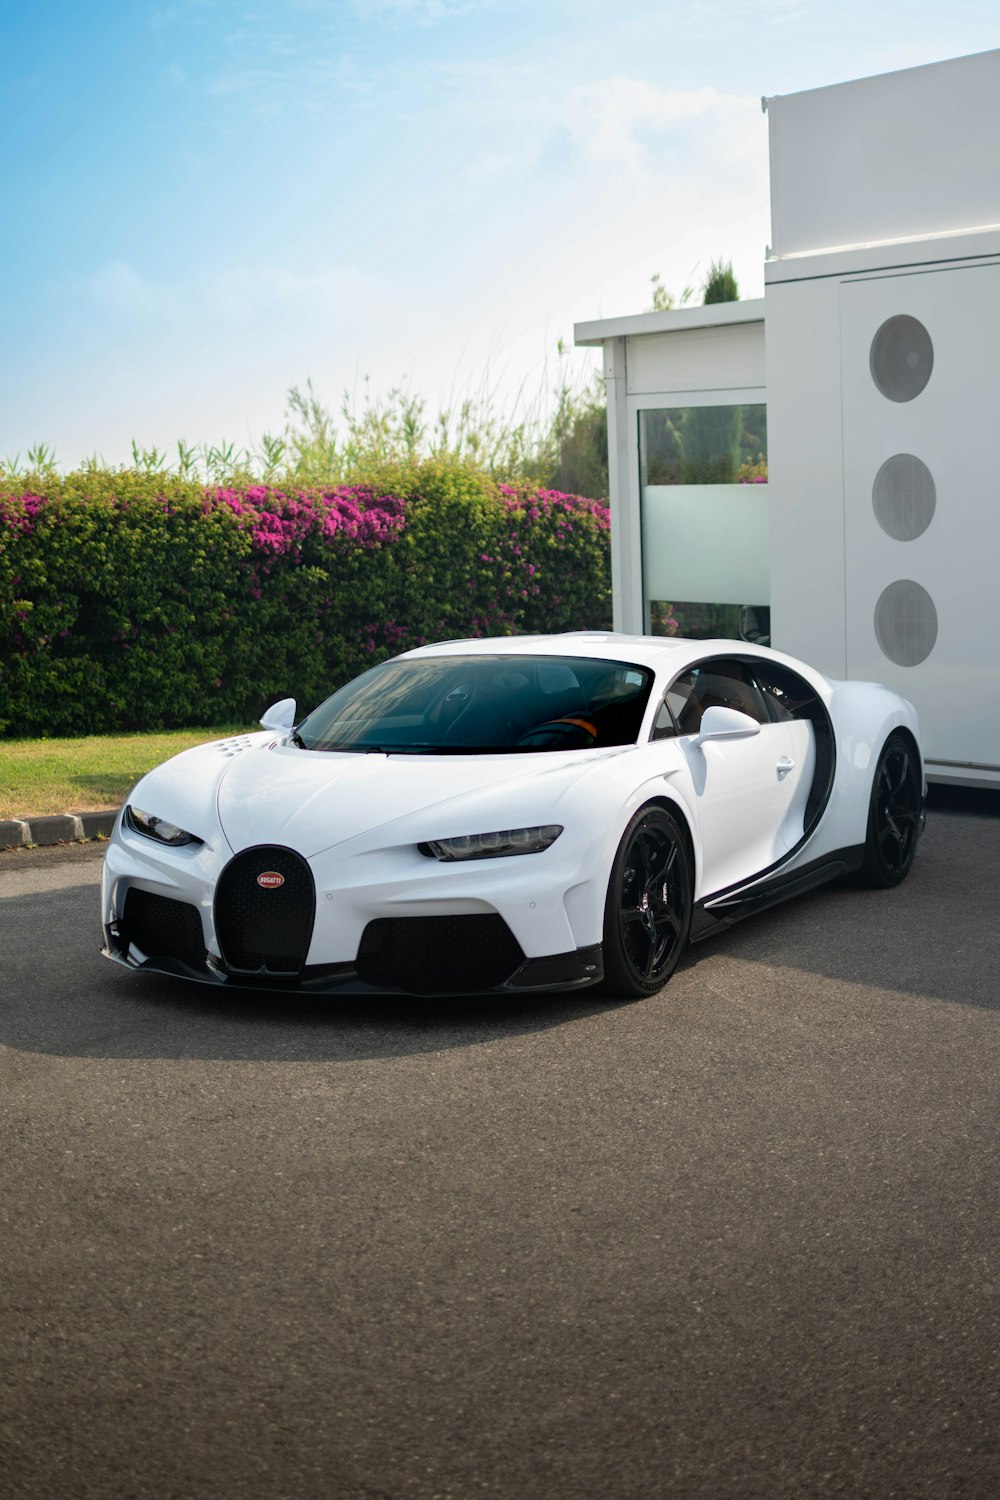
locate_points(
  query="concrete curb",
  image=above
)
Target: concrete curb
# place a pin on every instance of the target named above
(62, 828)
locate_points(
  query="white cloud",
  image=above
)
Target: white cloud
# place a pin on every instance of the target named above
(236, 298)
(626, 123)
(507, 248)
(621, 178)
(123, 290)
(622, 123)
(246, 293)
(547, 193)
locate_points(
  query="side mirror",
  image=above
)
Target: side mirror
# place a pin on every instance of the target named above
(281, 716)
(725, 724)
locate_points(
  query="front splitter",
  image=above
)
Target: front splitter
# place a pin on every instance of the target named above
(581, 969)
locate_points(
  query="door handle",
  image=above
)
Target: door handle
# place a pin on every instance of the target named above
(785, 764)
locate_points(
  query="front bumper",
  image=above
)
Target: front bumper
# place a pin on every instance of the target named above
(580, 969)
(381, 923)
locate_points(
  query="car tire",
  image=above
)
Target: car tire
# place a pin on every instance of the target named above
(647, 915)
(893, 815)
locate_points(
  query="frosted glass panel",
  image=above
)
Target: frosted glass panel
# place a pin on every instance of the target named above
(706, 543)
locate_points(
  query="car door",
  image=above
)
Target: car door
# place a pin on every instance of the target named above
(748, 792)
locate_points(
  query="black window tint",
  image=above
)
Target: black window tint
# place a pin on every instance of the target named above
(787, 696)
(683, 704)
(778, 705)
(482, 704)
(664, 728)
(716, 684)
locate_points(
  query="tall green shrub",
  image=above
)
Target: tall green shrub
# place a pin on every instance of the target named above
(721, 284)
(131, 600)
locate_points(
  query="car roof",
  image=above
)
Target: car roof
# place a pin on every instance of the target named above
(668, 654)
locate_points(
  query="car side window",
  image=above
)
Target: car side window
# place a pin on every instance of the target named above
(785, 693)
(674, 712)
(664, 727)
(722, 683)
(777, 702)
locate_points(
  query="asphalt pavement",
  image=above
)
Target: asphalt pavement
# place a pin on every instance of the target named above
(739, 1240)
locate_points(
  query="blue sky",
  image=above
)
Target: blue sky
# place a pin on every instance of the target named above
(209, 201)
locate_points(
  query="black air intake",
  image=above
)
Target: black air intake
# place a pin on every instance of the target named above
(439, 955)
(162, 927)
(265, 905)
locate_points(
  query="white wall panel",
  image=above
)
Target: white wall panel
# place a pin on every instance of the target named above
(805, 470)
(902, 154)
(951, 426)
(697, 359)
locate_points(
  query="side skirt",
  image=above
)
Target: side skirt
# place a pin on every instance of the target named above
(723, 908)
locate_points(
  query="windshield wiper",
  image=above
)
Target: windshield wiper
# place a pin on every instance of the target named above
(462, 750)
(362, 749)
(345, 748)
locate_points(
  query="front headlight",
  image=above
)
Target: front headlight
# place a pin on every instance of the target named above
(493, 845)
(158, 829)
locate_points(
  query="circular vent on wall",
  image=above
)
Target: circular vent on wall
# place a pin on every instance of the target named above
(906, 623)
(901, 358)
(904, 497)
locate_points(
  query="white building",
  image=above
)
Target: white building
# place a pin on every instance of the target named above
(876, 352)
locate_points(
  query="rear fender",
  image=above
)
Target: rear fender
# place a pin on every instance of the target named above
(864, 716)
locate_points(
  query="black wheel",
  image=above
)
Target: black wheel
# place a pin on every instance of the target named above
(647, 916)
(894, 815)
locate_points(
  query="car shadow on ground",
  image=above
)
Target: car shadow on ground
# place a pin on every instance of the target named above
(932, 937)
(935, 936)
(70, 1001)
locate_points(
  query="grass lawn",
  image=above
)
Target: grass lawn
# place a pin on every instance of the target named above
(58, 776)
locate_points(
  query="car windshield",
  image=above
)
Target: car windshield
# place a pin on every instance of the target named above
(469, 705)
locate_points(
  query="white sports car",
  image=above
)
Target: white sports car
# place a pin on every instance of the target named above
(523, 813)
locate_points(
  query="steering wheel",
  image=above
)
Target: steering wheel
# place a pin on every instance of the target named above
(561, 734)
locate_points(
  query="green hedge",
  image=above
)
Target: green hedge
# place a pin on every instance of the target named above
(131, 600)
